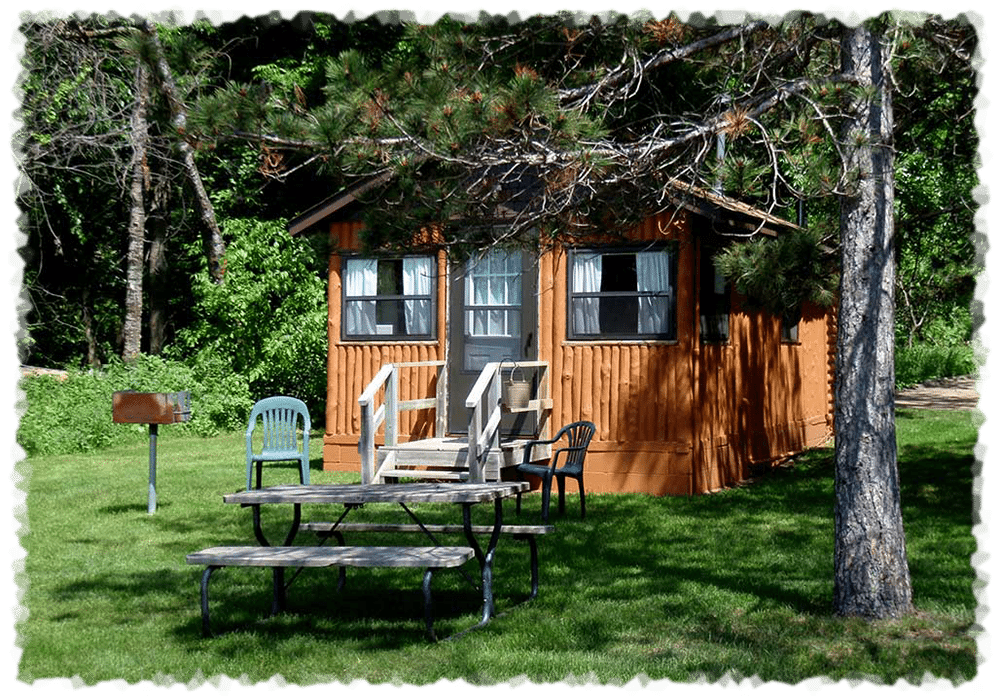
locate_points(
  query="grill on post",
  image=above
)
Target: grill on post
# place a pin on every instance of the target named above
(154, 408)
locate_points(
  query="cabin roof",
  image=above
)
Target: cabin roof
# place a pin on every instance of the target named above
(331, 205)
(730, 214)
(727, 214)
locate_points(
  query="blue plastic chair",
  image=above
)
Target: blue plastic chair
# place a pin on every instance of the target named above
(577, 437)
(279, 419)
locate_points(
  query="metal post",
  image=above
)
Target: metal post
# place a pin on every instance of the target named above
(151, 499)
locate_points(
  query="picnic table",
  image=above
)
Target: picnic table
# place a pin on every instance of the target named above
(481, 539)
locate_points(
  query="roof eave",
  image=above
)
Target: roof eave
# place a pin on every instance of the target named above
(331, 206)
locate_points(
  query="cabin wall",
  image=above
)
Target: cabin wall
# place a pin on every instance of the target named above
(761, 399)
(639, 394)
(351, 366)
(687, 417)
(672, 417)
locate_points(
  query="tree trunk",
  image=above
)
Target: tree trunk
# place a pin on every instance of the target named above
(215, 247)
(132, 328)
(88, 328)
(871, 574)
(157, 286)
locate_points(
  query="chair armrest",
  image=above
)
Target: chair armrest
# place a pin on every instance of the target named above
(528, 446)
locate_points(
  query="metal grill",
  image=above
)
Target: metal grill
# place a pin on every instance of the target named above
(154, 408)
(151, 407)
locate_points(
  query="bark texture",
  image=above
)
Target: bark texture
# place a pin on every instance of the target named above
(158, 286)
(871, 574)
(215, 247)
(132, 328)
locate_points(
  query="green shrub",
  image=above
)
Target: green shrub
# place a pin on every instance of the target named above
(71, 415)
(268, 321)
(924, 361)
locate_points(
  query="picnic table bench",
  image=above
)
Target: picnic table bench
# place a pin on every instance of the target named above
(428, 558)
(526, 533)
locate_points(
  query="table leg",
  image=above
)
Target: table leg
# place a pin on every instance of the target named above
(206, 630)
(432, 538)
(278, 573)
(334, 532)
(293, 530)
(428, 610)
(485, 558)
(278, 604)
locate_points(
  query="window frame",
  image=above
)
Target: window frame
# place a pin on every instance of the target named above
(670, 336)
(710, 300)
(511, 312)
(430, 297)
(789, 327)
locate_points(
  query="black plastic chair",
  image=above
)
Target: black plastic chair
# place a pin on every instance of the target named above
(578, 436)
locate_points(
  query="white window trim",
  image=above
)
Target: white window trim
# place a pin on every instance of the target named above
(359, 299)
(584, 295)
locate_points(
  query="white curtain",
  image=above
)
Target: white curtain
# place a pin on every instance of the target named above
(652, 271)
(417, 282)
(587, 278)
(360, 280)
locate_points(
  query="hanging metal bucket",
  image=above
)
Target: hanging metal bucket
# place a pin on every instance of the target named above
(516, 392)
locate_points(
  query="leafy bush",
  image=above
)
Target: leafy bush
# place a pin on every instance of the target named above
(268, 321)
(924, 361)
(71, 415)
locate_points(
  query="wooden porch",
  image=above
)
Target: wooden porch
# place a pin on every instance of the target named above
(483, 454)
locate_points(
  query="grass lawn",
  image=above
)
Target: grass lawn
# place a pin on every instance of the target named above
(671, 588)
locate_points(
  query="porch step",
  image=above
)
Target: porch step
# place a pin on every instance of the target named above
(425, 474)
(443, 458)
(432, 452)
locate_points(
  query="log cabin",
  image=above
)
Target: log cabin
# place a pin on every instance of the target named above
(691, 391)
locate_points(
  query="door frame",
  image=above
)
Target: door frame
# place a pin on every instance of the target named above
(460, 380)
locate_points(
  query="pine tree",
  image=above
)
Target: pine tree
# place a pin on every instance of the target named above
(871, 574)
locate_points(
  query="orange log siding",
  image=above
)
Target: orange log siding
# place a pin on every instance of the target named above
(672, 417)
(351, 366)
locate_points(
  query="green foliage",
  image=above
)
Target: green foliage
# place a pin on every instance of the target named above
(936, 232)
(936, 146)
(73, 415)
(780, 274)
(923, 361)
(267, 322)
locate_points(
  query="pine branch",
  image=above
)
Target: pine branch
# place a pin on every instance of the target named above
(581, 97)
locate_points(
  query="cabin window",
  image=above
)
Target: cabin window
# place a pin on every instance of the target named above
(790, 326)
(623, 294)
(713, 301)
(388, 298)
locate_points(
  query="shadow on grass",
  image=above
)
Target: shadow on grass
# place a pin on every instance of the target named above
(376, 610)
(750, 568)
(126, 508)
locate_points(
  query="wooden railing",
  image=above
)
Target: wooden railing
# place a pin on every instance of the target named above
(373, 416)
(484, 401)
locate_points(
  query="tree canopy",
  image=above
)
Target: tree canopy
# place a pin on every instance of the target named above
(555, 127)
(561, 126)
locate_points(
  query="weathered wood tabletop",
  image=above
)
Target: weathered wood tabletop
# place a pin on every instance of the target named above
(379, 493)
